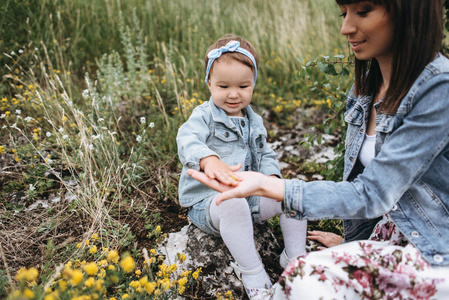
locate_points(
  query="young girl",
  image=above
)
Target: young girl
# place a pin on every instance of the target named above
(222, 136)
(396, 165)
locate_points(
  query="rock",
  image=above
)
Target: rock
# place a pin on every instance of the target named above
(211, 254)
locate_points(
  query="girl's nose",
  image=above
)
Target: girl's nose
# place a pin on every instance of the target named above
(348, 27)
(233, 94)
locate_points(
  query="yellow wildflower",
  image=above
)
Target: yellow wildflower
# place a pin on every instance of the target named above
(182, 281)
(125, 296)
(93, 249)
(138, 272)
(95, 237)
(149, 287)
(77, 277)
(89, 282)
(91, 268)
(62, 285)
(113, 256)
(196, 274)
(127, 264)
(28, 293)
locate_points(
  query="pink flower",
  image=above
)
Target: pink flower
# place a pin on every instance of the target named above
(365, 279)
(406, 269)
(423, 290)
(392, 283)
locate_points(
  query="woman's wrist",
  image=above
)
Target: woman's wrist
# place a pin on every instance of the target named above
(272, 187)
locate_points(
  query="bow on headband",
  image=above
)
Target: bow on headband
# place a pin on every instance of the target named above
(232, 46)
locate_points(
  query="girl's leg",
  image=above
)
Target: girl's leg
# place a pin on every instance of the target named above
(233, 219)
(294, 231)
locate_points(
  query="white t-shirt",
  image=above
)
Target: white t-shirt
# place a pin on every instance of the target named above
(367, 152)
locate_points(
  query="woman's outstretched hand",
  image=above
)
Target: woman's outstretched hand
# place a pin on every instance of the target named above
(251, 183)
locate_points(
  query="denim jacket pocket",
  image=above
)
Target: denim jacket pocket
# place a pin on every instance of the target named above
(224, 140)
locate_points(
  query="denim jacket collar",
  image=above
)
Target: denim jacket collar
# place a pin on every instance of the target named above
(219, 116)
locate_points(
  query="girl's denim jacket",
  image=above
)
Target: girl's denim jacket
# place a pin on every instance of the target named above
(408, 178)
(209, 131)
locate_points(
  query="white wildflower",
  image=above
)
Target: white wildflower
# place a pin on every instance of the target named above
(61, 129)
(18, 111)
(14, 125)
(91, 147)
(36, 49)
(85, 94)
(151, 125)
(65, 136)
(48, 134)
(13, 53)
(28, 119)
(32, 188)
(4, 127)
(138, 138)
(142, 120)
(100, 120)
(20, 51)
(2, 116)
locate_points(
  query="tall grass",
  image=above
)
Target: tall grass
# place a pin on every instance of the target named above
(94, 91)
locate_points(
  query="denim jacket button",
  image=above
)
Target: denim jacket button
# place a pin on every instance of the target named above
(415, 234)
(438, 258)
(292, 213)
(243, 123)
(226, 134)
(260, 145)
(395, 207)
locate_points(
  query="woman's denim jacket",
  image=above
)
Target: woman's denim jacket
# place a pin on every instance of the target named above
(209, 131)
(408, 178)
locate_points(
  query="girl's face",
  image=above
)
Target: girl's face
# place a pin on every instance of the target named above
(231, 85)
(369, 29)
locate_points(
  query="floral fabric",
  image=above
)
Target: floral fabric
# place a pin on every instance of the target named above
(363, 270)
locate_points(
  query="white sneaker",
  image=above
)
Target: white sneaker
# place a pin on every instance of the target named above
(253, 293)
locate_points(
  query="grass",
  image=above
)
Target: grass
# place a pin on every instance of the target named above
(92, 95)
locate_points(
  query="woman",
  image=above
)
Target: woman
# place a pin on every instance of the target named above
(396, 166)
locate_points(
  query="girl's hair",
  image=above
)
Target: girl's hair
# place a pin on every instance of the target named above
(417, 38)
(222, 41)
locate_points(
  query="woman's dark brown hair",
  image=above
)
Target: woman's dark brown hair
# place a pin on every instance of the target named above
(417, 38)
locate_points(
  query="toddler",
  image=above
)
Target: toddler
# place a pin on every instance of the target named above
(222, 136)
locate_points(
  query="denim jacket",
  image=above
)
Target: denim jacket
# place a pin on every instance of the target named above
(209, 131)
(408, 178)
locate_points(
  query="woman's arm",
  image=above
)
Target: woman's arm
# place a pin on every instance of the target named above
(251, 183)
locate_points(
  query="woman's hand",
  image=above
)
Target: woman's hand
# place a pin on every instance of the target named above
(250, 183)
(328, 239)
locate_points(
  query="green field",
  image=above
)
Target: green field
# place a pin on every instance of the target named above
(92, 94)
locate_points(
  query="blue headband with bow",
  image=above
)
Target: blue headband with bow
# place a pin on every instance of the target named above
(232, 46)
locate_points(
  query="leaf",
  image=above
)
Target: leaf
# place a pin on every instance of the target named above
(323, 67)
(344, 71)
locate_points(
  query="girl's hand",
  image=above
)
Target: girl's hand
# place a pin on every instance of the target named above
(251, 183)
(214, 168)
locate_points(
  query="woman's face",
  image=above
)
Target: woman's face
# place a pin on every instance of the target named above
(369, 29)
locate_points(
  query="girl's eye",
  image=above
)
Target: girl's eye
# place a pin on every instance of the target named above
(343, 15)
(243, 86)
(223, 86)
